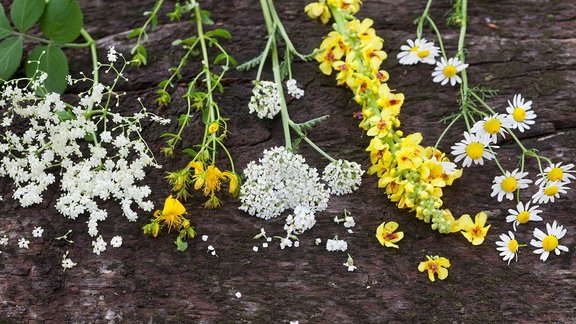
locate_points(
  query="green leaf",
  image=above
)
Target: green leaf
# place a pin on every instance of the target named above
(52, 60)
(180, 245)
(5, 28)
(219, 33)
(11, 57)
(205, 17)
(25, 13)
(190, 152)
(183, 119)
(135, 32)
(62, 21)
(64, 115)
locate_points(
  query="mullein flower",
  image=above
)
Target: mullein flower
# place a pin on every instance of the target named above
(475, 231)
(435, 265)
(318, 10)
(386, 235)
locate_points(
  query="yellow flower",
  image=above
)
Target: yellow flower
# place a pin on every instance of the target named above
(334, 48)
(381, 125)
(318, 10)
(352, 6)
(386, 236)
(389, 100)
(373, 57)
(435, 264)
(213, 128)
(474, 231)
(171, 214)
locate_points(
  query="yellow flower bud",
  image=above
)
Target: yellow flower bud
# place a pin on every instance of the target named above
(213, 128)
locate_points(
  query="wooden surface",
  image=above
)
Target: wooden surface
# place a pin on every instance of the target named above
(147, 281)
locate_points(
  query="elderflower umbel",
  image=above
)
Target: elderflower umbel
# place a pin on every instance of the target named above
(505, 185)
(523, 214)
(446, 71)
(508, 247)
(280, 181)
(67, 263)
(336, 245)
(4, 240)
(417, 51)
(472, 149)
(521, 113)
(99, 245)
(265, 100)
(111, 55)
(23, 243)
(342, 176)
(293, 89)
(37, 231)
(548, 242)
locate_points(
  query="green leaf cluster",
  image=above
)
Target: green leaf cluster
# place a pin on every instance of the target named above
(60, 21)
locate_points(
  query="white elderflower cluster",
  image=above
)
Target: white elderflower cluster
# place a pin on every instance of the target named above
(342, 176)
(99, 245)
(265, 100)
(94, 165)
(336, 245)
(282, 180)
(293, 89)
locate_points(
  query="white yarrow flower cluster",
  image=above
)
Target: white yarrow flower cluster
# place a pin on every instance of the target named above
(265, 100)
(281, 180)
(342, 176)
(293, 89)
(94, 166)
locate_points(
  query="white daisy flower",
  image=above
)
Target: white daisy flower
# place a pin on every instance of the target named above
(557, 172)
(418, 51)
(472, 149)
(523, 214)
(508, 247)
(447, 71)
(521, 113)
(505, 185)
(548, 191)
(491, 126)
(548, 242)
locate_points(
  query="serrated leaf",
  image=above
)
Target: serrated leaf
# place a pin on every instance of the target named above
(52, 60)
(303, 127)
(11, 57)
(62, 21)
(5, 28)
(25, 13)
(250, 64)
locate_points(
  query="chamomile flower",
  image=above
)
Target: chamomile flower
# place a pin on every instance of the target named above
(508, 247)
(521, 113)
(472, 149)
(491, 126)
(418, 51)
(548, 242)
(505, 185)
(548, 191)
(446, 71)
(523, 214)
(557, 172)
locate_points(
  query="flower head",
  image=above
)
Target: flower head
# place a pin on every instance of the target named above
(116, 241)
(171, 214)
(265, 100)
(435, 265)
(318, 10)
(446, 71)
(548, 191)
(491, 126)
(23, 243)
(472, 149)
(508, 246)
(521, 113)
(557, 172)
(548, 242)
(417, 51)
(505, 185)
(99, 245)
(523, 214)
(386, 236)
(38, 231)
(474, 231)
(350, 263)
(342, 176)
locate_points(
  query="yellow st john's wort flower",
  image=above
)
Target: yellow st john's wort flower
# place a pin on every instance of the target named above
(474, 231)
(386, 236)
(170, 216)
(435, 265)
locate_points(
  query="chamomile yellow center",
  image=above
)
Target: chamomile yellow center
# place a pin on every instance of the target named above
(555, 174)
(523, 217)
(423, 54)
(475, 150)
(551, 191)
(509, 184)
(549, 243)
(450, 71)
(415, 49)
(492, 126)
(519, 114)
(513, 246)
